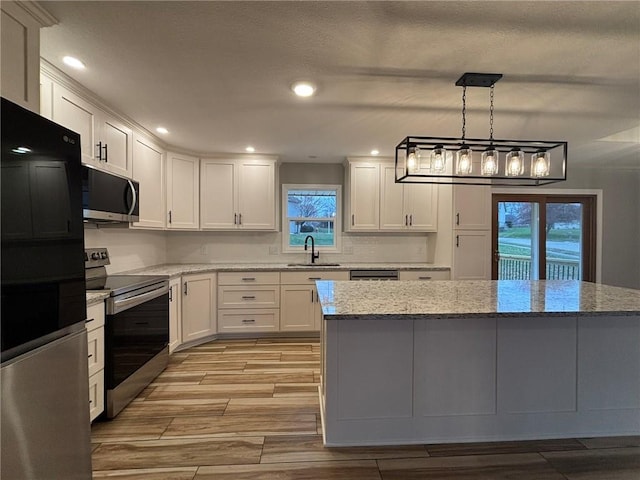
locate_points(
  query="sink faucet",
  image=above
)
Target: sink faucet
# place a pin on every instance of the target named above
(314, 254)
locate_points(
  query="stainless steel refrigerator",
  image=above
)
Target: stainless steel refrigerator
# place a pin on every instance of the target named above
(44, 402)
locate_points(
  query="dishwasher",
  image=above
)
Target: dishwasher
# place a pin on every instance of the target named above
(375, 274)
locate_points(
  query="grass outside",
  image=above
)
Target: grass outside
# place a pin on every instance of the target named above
(552, 254)
(557, 235)
(321, 239)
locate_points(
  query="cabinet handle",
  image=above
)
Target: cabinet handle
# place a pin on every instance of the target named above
(90, 355)
(99, 156)
(106, 153)
(411, 220)
(458, 218)
(314, 278)
(424, 278)
(248, 279)
(353, 219)
(171, 294)
(169, 216)
(311, 296)
(248, 320)
(186, 289)
(406, 220)
(90, 402)
(239, 219)
(235, 218)
(457, 240)
(248, 297)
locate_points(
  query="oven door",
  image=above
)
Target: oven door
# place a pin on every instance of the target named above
(134, 336)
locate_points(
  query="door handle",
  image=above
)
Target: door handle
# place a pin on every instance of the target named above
(496, 256)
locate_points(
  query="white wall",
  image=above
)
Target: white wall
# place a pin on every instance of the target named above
(129, 249)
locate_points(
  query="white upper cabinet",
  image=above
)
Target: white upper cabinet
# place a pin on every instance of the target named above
(363, 197)
(183, 188)
(107, 143)
(406, 207)
(149, 171)
(471, 207)
(238, 194)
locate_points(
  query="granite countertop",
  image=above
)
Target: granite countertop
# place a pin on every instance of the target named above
(94, 297)
(174, 270)
(471, 298)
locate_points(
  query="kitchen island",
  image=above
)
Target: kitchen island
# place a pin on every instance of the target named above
(461, 361)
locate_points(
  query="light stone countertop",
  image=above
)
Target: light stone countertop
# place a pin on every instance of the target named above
(95, 297)
(473, 298)
(175, 270)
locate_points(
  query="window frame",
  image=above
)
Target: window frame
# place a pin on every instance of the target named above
(337, 220)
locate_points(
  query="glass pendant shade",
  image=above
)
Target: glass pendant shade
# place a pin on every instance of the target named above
(540, 164)
(514, 165)
(413, 160)
(489, 162)
(464, 163)
(437, 159)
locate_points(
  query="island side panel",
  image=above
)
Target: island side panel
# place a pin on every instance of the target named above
(609, 359)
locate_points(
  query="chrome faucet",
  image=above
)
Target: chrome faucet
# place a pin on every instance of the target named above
(314, 254)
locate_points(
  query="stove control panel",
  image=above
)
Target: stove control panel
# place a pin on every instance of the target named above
(96, 257)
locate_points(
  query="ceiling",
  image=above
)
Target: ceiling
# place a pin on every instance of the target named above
(218, 74)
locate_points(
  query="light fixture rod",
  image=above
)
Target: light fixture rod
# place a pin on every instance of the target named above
(491, 116)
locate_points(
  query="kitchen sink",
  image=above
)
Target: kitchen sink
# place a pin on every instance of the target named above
(313, 265)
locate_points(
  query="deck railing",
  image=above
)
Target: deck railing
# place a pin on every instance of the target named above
(517, 267)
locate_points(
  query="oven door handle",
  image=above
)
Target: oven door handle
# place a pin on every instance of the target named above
(117, 306)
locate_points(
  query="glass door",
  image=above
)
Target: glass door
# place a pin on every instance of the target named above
(537, 237)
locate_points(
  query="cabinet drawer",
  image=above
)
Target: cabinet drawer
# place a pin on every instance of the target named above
(258, 296)
(249, 278)
(95, 316)
(255, 320)
(95, 344)
(309, 277)
(96, 394)
(425, 275)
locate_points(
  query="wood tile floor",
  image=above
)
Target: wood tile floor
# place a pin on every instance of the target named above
(248, 409)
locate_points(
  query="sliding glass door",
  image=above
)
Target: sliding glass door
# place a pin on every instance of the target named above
(537, 237)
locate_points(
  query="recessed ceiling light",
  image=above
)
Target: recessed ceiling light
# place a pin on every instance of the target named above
(73, 62)
(303, 89)
(375, 152)
(250, 149)
(162, 130)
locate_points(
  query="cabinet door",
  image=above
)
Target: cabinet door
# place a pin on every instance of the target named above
(182, 192)
(217, 195)
(364, 197)
(421, 207)
(256, 195)
(198, 306)
(175, 317)
(71, 111)
(472, 255)
(392, 213)
(472, 207)
(297, 308)
(148, 170)
(116, 144)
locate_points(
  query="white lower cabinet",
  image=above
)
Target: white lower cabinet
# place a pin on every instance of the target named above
(472, 255)
(299, 303)
(175, 314)
(248, 302)
(424, 275)
(95, 358)
(198, 298)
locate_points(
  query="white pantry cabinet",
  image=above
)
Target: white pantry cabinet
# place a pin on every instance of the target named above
(183, 188)
(363, 196)
(406, 207)
(471, 232)
(299, 303)
(149, 171)
(107, 143)
(175, 314)
(238, 194)
(198, 306)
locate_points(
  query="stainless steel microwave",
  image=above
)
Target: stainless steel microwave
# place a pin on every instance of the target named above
(109, 198)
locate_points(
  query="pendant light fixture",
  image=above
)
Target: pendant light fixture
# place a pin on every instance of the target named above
(501, 162)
